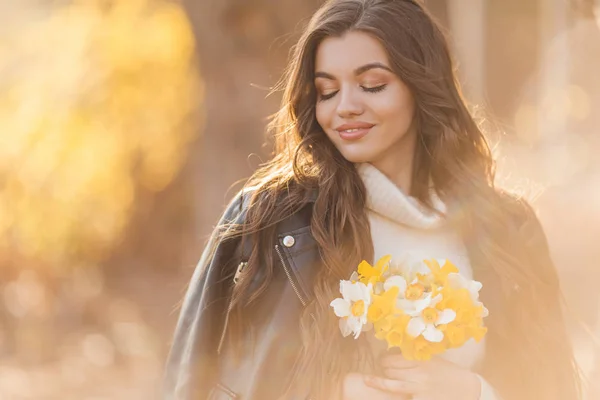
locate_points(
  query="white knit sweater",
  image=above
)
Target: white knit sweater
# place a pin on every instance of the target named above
(401, 226)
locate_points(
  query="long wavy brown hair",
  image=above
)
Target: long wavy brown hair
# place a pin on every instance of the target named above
(528, 352)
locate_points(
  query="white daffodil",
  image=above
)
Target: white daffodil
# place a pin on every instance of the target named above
(410, 295)
(426, 318)
(409, 266)
(352, 307)
(457, 281)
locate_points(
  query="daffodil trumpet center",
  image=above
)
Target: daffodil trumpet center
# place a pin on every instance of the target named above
(414, 291)
(358, 308)
(430, 315)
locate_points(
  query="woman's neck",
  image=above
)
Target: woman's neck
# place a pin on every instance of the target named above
(398, 173)
(397, 161)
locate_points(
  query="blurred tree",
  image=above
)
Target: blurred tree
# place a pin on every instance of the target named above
(98, 107)
(584, 8)
(243, 47)
(512, 48)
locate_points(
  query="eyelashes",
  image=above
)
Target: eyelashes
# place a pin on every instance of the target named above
(323, 97)
(375, 89)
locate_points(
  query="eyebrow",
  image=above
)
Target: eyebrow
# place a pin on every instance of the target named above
(358, 71)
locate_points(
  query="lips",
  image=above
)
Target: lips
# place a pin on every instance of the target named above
(354, 131)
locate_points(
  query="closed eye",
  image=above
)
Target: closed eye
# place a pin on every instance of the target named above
(327, 96)
(374, 89)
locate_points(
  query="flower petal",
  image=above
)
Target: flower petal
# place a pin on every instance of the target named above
(475, 286)
(446, 316)
(341, 307)
(395, 281)
(432, 334)
(355, 326)
(435, 300)
(419, 267)
(456, 281)
(382, 264)
(485, 312)
(366, 294)
(416, 326)
(344, 327)
(422, 304)
(344, 288)
(355, 291)
(408, 306)
(378, 288)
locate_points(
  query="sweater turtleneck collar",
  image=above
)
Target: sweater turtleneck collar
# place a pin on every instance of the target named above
(389, 201)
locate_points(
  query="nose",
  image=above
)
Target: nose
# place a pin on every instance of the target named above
(349, 104)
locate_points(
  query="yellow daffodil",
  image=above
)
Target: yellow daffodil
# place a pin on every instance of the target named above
(440, 269)
(421, 349)
(382, 305)
(454, 334)
(410, 295)
(426, 318)
(383, 326)
(422, 307)
(457, 281)
(397, 328)
(373, 274)
(469, 315)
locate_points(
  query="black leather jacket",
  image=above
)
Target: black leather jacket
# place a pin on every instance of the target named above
(201, 365)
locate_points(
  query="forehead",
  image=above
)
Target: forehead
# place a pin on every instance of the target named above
(348, 52)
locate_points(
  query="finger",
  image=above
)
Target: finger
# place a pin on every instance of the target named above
(407, 375)
(398, 362)
(392, 385)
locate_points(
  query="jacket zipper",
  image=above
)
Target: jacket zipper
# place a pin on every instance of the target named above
(289, 275)
(238, 272)
(235, 280)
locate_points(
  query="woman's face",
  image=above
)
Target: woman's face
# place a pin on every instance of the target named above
(362, 106)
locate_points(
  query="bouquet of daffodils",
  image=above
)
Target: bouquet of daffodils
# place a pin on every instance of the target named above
(421, 307)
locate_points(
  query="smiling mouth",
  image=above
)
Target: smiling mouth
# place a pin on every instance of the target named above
(354, 133)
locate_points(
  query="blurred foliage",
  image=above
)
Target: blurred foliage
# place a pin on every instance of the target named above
(99, 106)
(95, 105)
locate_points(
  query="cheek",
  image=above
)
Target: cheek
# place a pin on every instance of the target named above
(323, 114)
(395, 106)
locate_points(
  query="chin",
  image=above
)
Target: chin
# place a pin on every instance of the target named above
(356, 157)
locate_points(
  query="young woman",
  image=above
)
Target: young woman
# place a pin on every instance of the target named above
(375, 154)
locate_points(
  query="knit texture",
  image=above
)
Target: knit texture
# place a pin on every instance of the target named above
(402, 227)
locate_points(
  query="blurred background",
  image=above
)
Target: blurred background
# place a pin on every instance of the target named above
(125, 125)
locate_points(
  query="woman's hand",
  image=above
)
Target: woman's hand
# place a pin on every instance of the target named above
(355, 388)
(436, 379)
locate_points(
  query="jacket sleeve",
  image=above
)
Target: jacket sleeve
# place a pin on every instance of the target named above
(558, 373)
(536, 328)
(192, 356)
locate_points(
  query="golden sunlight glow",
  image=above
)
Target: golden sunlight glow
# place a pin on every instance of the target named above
(96, 106)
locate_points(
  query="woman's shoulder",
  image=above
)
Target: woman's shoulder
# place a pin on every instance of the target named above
(235, 210)
(276, 200)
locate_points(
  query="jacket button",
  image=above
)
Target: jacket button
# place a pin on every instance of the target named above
(289, 241)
